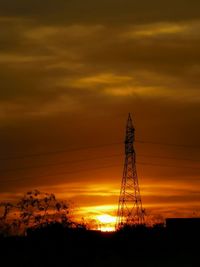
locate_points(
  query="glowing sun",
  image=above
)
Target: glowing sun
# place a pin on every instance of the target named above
(106, 219)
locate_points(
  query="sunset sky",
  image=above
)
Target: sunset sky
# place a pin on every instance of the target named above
(71, 71)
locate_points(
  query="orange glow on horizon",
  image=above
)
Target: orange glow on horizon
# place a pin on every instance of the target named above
(107, 229)
(106, 222)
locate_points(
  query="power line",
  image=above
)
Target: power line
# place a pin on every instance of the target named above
(174, 158)
(168, 144)
(60, 151)
(60, 173)
(97, 168)
(88, 159)
(166, 165)
(57, 163)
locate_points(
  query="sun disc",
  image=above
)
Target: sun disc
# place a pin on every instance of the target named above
(105, 218)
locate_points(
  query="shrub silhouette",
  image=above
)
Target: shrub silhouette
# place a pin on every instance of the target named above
(34, 209)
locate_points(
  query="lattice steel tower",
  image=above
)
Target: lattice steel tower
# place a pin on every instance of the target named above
(130, 210)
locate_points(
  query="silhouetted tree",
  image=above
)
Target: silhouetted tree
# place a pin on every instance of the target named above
(153, 219)
(35, 209)
(5, 227)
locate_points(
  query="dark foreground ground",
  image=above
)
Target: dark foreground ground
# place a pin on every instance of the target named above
(139, 247)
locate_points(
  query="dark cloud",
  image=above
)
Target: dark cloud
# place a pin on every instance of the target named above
(110, 12)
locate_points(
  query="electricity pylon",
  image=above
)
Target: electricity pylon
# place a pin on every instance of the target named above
(130, 210)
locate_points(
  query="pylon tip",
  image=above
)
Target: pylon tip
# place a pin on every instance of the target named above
(129, 116)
